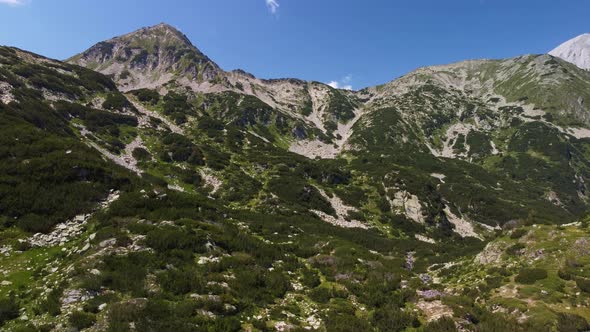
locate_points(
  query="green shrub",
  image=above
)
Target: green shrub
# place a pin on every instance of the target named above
(494, 282)
(345, 322)
(515, 249)
(499, 270)
(169, 238)
(141, 154)
(96, 120)
(147, 95)
(180, 149)
(583, 284)
(140, 58)
(531, 275)
(492, 322)
(310, 278)
(564, 274)
(176, 103)
(189, 176)
(91, 282)
(8, 309)
(52, 304)
(518, 233)
(93, 304)
(216, 159)
(82, 320)
(126, 273)
(257, 285)
(571, 323)
(181, 282)
(321, 294)
(124, 74)
(92, 80)
(122, 240)
(445, 324)
(227, 324)
(115, 101)
(35, 224)
(392, 318)
(121, 314)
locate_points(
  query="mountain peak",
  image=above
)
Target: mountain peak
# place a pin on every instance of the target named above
(163, 25)
(148, 57)
(575, 50)
(162, 31)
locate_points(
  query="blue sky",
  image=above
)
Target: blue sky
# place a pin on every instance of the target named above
(355, 43)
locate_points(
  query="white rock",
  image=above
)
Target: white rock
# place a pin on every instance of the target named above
(423, 238)
(462, 227)
(576, 51)
(410, 205)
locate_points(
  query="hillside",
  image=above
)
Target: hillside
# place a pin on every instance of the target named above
(145, 188)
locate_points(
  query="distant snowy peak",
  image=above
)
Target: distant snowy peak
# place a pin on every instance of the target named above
(576, 51)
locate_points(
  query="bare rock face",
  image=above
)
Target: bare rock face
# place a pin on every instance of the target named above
(163, 59)
(491, 253)
(576, 51)
(148, 58)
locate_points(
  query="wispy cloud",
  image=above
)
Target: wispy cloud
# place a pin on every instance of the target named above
(344, 83)
(273, 5)
(12, 2)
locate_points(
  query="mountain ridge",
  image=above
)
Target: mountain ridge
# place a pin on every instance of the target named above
(185, 197)
(329, 123)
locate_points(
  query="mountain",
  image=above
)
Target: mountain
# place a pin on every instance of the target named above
(145, 188)
(308, 106)
(576, 51)
(149, 57)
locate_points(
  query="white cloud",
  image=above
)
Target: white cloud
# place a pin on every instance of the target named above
(13, 2)
(344, 83)
(273, 5)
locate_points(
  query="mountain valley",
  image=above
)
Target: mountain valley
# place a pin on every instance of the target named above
(145, 188)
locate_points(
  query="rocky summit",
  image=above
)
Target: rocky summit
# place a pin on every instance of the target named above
(145, 188)
(576, 51)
